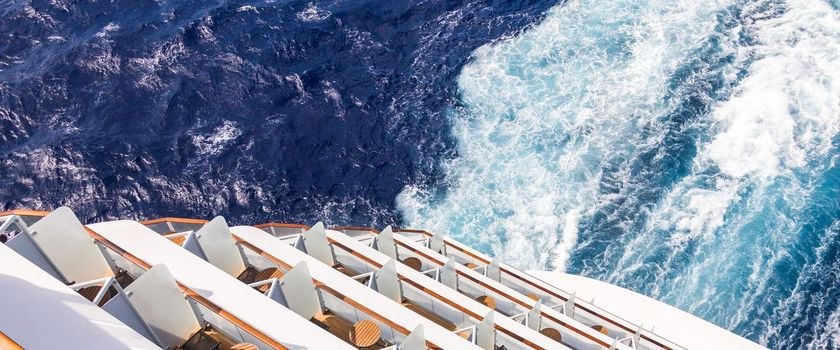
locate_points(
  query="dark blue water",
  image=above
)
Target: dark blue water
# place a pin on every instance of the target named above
(284, 110)
(685, 150)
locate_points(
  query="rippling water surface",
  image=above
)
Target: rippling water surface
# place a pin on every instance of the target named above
(686, 150)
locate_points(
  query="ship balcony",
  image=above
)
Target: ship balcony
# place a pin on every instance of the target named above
(336, 314)
(281, 279)
(413, 293)
(581, 311)
(507, 292)
(414, 297)
(153, 304)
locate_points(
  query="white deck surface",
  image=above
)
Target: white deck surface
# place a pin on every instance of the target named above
(39, 312)
(671, 323)
(235, 297)
(354, 290)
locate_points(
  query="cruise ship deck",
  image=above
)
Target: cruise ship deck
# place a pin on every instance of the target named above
(173, 283)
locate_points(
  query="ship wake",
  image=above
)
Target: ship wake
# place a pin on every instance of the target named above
(684, 150)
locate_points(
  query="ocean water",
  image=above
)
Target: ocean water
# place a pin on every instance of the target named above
(686, 150)
(256, 110)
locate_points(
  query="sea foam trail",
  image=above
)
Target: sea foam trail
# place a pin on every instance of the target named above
(565, 129)
(741, 211)
(545, 111)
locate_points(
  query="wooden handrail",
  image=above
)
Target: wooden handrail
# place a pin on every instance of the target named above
(282, 225)
(24, 212)
(7, 343)
(175, 220)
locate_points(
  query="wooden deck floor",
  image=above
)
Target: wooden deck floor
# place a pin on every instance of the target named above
(341, 328)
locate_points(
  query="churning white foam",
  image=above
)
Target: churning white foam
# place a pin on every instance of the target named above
(215, 142)
(545, 111)
(313, 14)
(771, 142)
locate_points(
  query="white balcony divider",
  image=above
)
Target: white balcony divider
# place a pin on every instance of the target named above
(161, 304)
(384, 243)
(493, 271)
(569, 309)
(25, 245)
(219, 248)
(276, 293)
(298, 243)
(299, 291)
(535, 317)
(317, 246)
(637, 336)
(120, 307)
(38, 311)
(416, 340)
(448, 275)
(191, 245)
(69, 248)
(437, 244)
(486, 332)
(387, 282)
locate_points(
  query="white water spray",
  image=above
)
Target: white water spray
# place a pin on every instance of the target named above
(548, 112)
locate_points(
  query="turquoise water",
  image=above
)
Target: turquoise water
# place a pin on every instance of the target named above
(683, 149)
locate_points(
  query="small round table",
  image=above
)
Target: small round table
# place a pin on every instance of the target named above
(601, 329)
(413, 263)
(487, 301)
(244, 346)
(533, 296)
(551, 333)
(271, 272)
(365, 333)
(470, 265)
